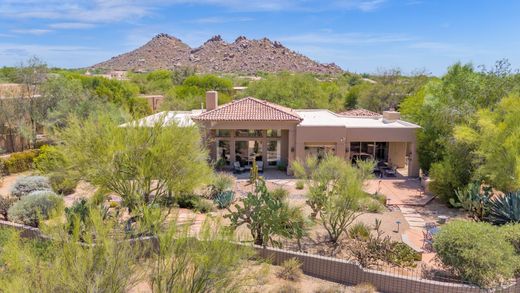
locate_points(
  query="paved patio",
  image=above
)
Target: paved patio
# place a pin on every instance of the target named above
(399, 191)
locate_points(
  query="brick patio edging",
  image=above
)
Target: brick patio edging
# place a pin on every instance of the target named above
(326, 268)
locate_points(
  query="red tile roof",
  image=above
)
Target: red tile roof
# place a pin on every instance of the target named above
(249, 109)
(359, 113)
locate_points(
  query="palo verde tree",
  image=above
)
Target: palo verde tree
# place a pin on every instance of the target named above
(141, 164)
(335, 190)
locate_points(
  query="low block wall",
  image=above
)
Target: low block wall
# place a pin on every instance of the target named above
(348, 273)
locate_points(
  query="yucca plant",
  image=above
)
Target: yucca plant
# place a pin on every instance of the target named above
(505, 209)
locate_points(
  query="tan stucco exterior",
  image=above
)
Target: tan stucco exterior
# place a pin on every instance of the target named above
(398, 137)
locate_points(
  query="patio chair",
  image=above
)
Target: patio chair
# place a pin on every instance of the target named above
(237, 168)
(391, 171)
(260, 165)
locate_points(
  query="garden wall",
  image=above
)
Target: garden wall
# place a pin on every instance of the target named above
(345, 272)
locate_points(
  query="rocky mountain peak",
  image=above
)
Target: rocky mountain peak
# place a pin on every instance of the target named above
(243, 56)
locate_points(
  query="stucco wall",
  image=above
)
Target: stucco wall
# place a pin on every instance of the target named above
(397, 154)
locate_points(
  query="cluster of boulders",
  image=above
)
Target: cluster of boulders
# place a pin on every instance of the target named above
(217, 56)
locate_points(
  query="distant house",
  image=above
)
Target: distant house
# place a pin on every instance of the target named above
(250, 129)
(115, 74)
(154, 101)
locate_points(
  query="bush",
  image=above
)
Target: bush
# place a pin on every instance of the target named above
(359, 231)
(300, 184)
(224, 199)
(402, 255)
(280, 193)
(372, 205)
(49, 159)
(203, 205)
(19, 162)
(222, 182)
(30, 208)
(63, 184)
(5, 204)
(27, 184)
(364, 288)
(287, 288)
(290, 270)
(476, 252)
(381, 198)
(187, 201)
(512, 234)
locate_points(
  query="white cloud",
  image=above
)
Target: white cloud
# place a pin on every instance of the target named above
(71, 25)
(363, 5)
(220, 19)
(55, 55)
(111, 11)
(36, 32)
(345, 38)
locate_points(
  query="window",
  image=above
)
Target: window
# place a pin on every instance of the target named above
(273, 133)
(223, 133)
(223, 151)
(273, 153)
(248, 133)
(355, 147)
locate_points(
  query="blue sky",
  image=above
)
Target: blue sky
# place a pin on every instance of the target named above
(359, 35)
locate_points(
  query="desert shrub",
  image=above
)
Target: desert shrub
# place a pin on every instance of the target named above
(222, 182)
(187, 201)
(30, 208)
(359, 231)
(280, 193)
(62, 183)
(224, 199)
(364, 288)
(512, 234)
(300, 184)
(5, 204)
(27, 184)
(371, 205)
(476, 252)
(204, 206)
(19, 162)
(290, 270)
(287, 288)
(381, 198)
(402, 255)
(49, 159)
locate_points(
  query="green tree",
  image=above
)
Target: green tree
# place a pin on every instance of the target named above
(496, 140)
(141, 164)
(335, 190)
(291, 90)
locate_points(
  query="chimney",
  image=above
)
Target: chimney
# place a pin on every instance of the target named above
(211, 100)
(391, 116)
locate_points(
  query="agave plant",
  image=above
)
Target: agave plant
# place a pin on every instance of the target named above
(224, 199)
(505, 209)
